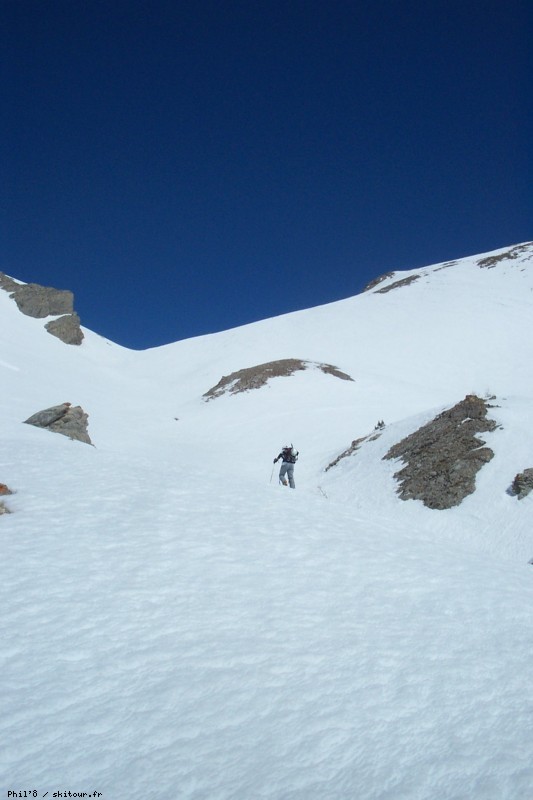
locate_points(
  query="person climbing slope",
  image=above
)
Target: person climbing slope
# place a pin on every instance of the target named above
(289, 456)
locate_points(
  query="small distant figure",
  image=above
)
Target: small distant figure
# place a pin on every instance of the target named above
(380, 425)
(289, 456)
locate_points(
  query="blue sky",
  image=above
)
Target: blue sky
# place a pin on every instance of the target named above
(187, 167)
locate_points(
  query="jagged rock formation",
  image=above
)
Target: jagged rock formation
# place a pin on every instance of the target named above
(255, 377)
(38, 301)
(65, 419)
(523, 483)
(443, 457)
(66, 328)
(44, 301)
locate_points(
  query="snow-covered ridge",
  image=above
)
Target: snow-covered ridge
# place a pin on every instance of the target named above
(517, 256)
(175, 624)
(460, 329)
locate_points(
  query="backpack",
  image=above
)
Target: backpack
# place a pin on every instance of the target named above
(290, 454)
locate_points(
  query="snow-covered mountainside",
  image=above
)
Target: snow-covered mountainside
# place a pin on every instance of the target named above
(176, 624)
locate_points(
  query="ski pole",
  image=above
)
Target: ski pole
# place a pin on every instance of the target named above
(272, 473)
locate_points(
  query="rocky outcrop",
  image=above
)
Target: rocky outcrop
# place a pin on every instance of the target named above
(7, 283)
(489, 262)
(443, 457)
(66, 328)
(68, 420)
(398, 284)
(44, 301)
(38, 301)
(353, 448)
(378, 280)
(244, 380)
(523, 483)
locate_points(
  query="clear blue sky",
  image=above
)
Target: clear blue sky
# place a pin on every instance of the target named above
(187, 167)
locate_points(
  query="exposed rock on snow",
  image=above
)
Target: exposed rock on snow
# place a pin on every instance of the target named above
(255, 377)
(445, 265)
(38, 301)
(509, 255)
(44, 301)
(523, 483)
(443, 457)
(66, 328)
(355, 445)
(397, 284)
(378, 280)
(65, 419)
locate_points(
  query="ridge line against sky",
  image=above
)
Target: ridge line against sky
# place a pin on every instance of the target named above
(186, 168)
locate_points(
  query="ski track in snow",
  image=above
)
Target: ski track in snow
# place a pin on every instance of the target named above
(174, 626)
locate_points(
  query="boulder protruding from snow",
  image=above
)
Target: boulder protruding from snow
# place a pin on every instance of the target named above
(523, 483)
(443, 457)
(255, 377)
(66, 419)
(44, 301)
(66, 328)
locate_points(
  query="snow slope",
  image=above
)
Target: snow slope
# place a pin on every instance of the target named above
(175, 625)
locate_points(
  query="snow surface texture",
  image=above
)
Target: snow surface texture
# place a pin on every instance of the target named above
(176, 625)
